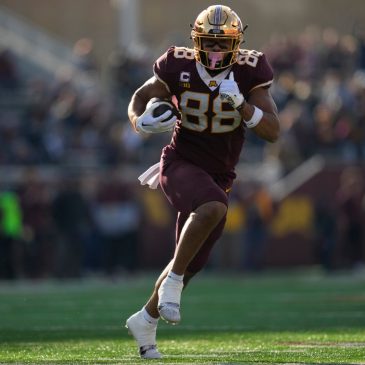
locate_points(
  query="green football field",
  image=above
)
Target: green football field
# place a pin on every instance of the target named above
(301, 318)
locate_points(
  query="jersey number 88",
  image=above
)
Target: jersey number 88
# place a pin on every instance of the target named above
(194, 107)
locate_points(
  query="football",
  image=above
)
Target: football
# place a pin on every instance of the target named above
(161, 109)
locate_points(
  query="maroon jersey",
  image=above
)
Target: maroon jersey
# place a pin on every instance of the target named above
(211, 132)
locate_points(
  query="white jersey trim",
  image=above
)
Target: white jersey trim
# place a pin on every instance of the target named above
(262, 85)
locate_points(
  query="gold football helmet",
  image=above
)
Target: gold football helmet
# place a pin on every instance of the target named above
(217, 22)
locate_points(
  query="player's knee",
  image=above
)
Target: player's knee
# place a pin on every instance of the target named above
(211, 212)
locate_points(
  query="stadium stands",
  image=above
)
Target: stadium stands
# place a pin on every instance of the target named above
(63, 124)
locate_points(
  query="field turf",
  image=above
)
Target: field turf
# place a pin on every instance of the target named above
(301, 318)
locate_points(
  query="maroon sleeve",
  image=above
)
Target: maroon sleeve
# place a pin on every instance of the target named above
(169, 66)
(165, 68)
(160, 66)
(263, 75)
(252, 70)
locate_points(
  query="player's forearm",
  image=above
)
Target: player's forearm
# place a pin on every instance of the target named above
(136, 107)
(152, 88)
(268, 126)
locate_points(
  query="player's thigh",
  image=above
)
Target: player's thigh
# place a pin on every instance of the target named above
(187, 186)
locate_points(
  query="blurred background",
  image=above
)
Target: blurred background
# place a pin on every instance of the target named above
(70, 203)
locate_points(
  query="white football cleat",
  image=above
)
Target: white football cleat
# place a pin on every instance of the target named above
(169, 295)
(144, 333)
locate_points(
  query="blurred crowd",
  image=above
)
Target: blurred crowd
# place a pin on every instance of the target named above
(319, 89)
(320, 93)
(66, 227)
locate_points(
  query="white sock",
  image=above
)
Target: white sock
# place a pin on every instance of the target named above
(174, 276)
(149, 318)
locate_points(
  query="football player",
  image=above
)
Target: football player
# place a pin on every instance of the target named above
(221, 90)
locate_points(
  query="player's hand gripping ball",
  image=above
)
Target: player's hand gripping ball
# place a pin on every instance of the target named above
(159, 116)
(164, 106)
